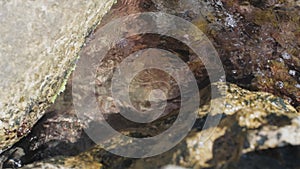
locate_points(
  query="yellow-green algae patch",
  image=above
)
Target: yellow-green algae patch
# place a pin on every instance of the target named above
(39, 45)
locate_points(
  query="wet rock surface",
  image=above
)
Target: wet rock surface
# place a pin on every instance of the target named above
(58, 132)
(239, 135)
(264, 44)
(258, 43)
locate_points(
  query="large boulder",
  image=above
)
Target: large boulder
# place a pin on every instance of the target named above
(39, 44)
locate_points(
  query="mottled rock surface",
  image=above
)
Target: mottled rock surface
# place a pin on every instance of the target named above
(39, 44)
(258, 43)
(240, 131)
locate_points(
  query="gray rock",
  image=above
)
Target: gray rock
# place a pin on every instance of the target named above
(39, 44)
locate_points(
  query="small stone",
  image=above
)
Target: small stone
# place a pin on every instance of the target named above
(230, 21)
(292, 72)
(279, 84)
(172, 167)
(286, 56)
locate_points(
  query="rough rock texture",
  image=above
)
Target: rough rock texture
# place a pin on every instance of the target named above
(38, 49)
(252, 121)
(263, 46)
(58, 132)
(258, 42)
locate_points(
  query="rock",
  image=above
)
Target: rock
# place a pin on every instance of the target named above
(257, 41)
(246, 114)
(251, 121)
(39, 46)
(258, 44)
(58, 133)
(262, 51)
(283, 157)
